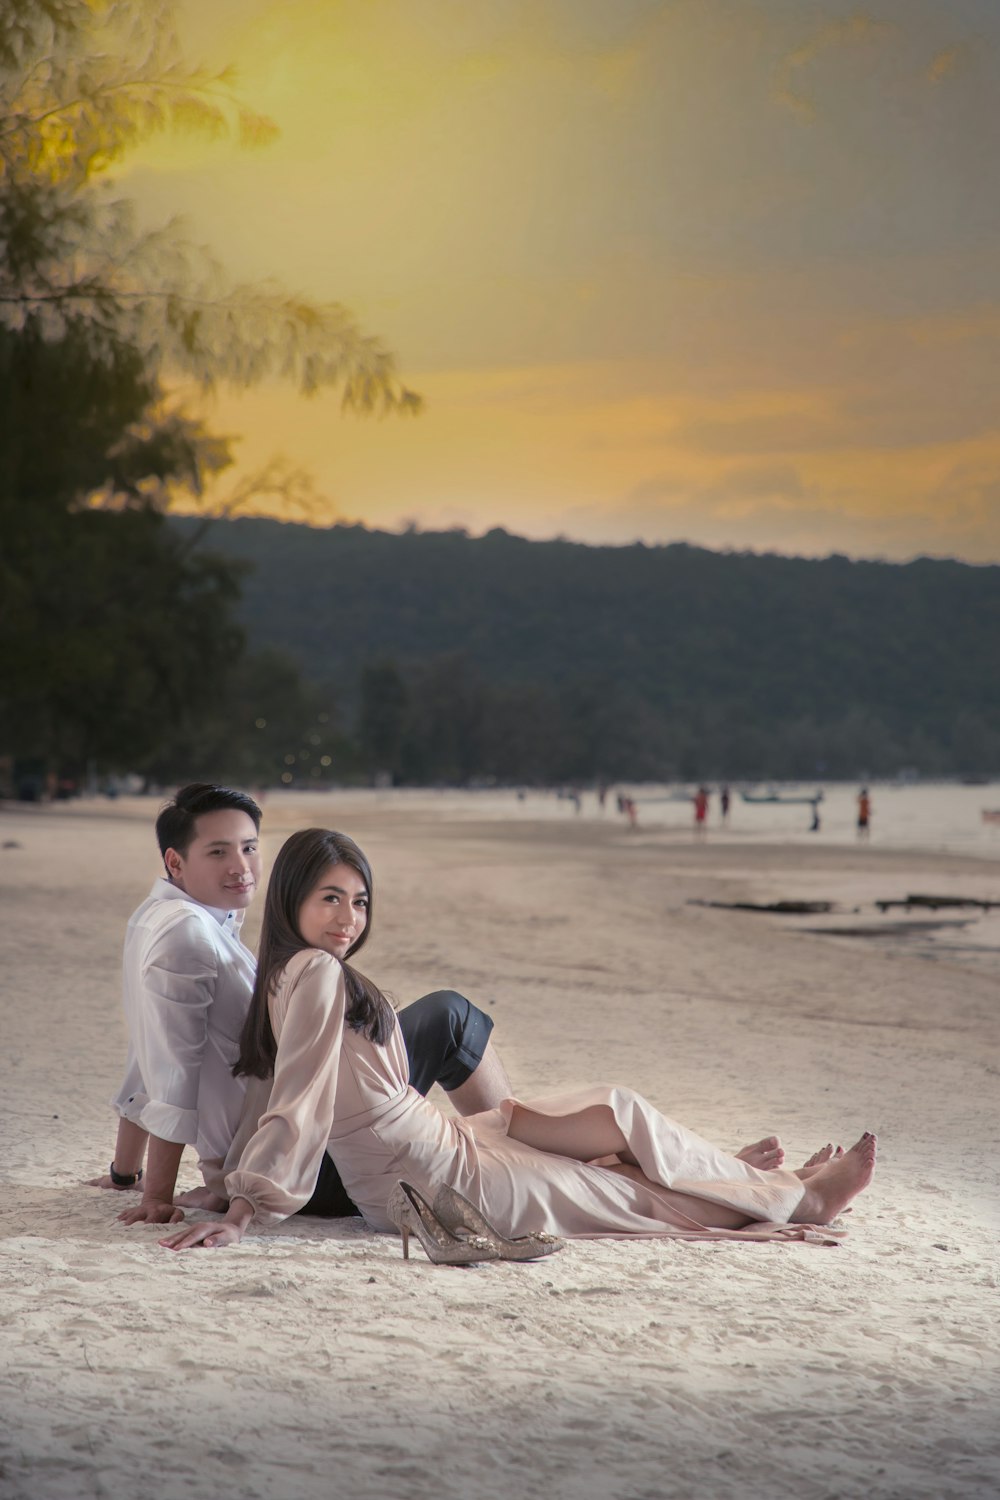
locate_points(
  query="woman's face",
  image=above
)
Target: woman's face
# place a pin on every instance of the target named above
(335, 913)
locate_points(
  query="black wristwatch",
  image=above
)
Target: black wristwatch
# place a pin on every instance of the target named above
(124, 1179)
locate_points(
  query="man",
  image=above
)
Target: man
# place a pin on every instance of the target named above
(187, 980)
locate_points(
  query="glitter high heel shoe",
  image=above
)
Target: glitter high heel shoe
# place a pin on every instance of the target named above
(412, 1214)
(457, 1213)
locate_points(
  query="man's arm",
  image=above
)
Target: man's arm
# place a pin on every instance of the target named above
(179, 975)
(130, 1148)
(157, 1206)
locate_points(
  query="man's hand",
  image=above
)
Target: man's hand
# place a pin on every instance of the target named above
(150, 1211)
(212, 1236)
(105, 1182)
(130, 1149)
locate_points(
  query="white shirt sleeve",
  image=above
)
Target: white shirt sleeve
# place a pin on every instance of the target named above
(278, 1169)
(168, 1028)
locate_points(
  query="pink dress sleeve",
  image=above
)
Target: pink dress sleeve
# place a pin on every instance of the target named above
(277, 1171)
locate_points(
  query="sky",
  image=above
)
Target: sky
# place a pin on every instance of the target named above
(716, 271)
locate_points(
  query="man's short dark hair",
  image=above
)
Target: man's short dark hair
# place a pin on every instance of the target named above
(175, 826)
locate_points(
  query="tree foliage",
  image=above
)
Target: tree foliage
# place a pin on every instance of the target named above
(111, 627)
(81, 84)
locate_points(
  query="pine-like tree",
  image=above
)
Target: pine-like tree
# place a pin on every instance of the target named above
(107, 623)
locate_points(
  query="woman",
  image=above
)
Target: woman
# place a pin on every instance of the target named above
(340, 1084)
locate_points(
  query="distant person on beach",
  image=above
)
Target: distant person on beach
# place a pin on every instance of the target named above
(724, 803)
(864, 814)
(814, 825)
(187, 981)
(329, 1075)
(700, 800)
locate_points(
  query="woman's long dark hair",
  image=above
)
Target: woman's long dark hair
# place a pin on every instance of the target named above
(301, 862)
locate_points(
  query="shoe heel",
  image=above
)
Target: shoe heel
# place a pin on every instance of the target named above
(399, 1211)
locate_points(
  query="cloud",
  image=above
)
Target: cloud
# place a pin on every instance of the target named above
(869, 384)
(914, 411)
(737, 493)
(943, 64)
(780, 431)
(636, 295)
(774, 508)
(852, 30)
(970, 494)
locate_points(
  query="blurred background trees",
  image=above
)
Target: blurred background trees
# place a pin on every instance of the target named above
(459, 657)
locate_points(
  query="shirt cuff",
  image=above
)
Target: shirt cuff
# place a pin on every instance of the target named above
(167, 1122)
(270, 1205)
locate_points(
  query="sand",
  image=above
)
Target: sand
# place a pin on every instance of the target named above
(315, 1362)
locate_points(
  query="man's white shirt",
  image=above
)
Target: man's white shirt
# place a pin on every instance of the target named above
(187, 980)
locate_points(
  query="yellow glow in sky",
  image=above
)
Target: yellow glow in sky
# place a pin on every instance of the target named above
(702, 271)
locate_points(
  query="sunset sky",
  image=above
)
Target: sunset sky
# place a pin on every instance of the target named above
(722, 271)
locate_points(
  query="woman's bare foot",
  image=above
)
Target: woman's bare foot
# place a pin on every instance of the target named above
(828, 1191)
(765, 1155)
(203, 1198)
(819, 1159)
(823, 1155)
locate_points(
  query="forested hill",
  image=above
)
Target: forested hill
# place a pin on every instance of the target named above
(638, 660)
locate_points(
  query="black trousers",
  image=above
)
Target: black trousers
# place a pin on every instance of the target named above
(445, 1036)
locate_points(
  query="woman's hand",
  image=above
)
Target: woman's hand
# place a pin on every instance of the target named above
(212, 1236)
(215, 1236)
(150, 1211)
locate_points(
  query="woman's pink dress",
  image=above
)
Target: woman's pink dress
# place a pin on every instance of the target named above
(334, 1090)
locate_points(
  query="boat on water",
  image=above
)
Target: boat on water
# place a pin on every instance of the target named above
(786, 799)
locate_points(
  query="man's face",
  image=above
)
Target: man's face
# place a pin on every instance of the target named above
(222, 865)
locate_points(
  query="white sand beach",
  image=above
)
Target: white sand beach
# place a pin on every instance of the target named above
(314, 1361)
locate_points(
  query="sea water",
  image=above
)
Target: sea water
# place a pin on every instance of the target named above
(940, 816)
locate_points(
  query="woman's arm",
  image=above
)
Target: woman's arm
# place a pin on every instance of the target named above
(279, 1167)
(277, 1171)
